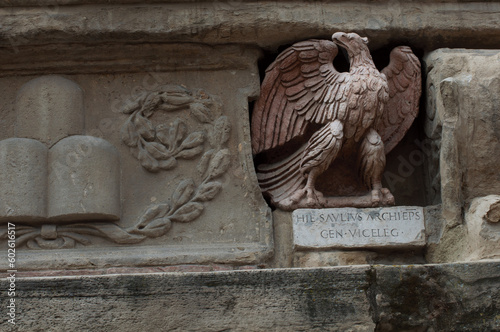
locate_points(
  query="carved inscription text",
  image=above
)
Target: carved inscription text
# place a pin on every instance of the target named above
(353, 228)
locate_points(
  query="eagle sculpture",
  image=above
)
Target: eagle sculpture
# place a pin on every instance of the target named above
(360, 114)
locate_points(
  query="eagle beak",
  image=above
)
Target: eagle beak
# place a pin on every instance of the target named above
(337, 38)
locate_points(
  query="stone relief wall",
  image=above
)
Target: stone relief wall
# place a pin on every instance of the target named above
(145, 152)
(125, 149)
(143, 171)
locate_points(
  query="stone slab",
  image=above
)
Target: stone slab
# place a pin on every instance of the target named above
(401, 226)
(448, 297)
(182, 153)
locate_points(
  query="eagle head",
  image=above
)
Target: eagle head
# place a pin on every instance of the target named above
(352, 42)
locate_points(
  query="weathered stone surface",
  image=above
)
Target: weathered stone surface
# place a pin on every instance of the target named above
(279, 300)
(332, 258)
(101, 58)
(493, 215)
(449, 297)
(83, 180)
(483, 236)
(326, 258)
(401, 226)
(264, 23)
(49, 108)
(462, 117)
(463, 85)
(23, 179)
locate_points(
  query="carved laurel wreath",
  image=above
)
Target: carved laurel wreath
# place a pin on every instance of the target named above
(158, 148)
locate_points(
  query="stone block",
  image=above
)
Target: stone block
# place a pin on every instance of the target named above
(435, 297)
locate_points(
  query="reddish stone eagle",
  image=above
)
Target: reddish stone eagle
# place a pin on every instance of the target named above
(363, 110)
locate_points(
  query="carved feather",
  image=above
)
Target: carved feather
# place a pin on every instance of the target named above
(404, 81)
(301, 86)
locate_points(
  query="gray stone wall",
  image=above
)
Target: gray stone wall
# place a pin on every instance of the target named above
(449, 297)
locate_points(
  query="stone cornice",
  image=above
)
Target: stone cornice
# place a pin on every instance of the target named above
(427, 25)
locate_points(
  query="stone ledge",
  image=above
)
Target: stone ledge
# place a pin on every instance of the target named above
(427, 25)
(142, 57)
(39, 3)
(449, 297)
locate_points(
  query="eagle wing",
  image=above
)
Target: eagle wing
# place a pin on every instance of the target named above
(404, 80)
(300, 86)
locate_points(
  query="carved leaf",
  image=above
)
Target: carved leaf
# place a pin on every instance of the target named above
(157, 227)
(201, 112)
(136, 105)
(147, 161)
(183, 193)
(150, 104)
(168, 163)
(177, 100)
(190, 153)
(129, 135)
(205, 159)
(219, 164)
(188, 212)
(157, 150)
(144, 127)
(153, 212)
(193, 140)
(171, 108)
(221, 131)
(207, 191)
(177, 132)
(162, 133)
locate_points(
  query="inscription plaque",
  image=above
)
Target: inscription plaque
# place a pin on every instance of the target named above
(401, 226)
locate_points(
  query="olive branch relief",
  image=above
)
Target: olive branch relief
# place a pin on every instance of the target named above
(160, 147)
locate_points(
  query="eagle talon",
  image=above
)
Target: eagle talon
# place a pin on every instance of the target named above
(313, 198)
(381, 197)
(388, 198)
(376, 197)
